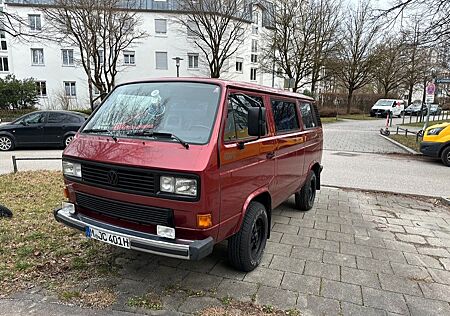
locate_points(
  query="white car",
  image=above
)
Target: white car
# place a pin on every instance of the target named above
(383, 106)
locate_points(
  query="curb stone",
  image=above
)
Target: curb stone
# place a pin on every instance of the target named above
(411, 151)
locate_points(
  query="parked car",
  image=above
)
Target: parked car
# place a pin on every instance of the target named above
(435, 109)
(41, 128)
(436, 142)
(179, 165)
(385, 106)
(416, 109)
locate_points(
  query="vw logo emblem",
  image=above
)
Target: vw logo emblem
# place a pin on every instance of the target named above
(113, 177)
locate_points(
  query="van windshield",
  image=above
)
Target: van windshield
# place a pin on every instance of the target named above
(384, 103)
(185, 110)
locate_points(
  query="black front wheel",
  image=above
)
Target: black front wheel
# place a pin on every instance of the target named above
(304, 199)
(445, 156)
(246, 247)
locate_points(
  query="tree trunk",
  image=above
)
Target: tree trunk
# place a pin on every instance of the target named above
(313, 87)
(410, 93)
(91, 98)
(349, 100)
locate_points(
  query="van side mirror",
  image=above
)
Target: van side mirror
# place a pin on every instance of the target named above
(256, 118)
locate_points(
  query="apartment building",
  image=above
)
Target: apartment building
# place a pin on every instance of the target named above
(59, 75)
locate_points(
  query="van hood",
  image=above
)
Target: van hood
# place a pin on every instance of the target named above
(169, 155)
(444, 125)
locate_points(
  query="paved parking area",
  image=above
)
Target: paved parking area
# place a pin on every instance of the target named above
(6, 165)
(359, 136)
(354, 253)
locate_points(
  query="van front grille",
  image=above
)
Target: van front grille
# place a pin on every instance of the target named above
(132, 180)
(136, 213)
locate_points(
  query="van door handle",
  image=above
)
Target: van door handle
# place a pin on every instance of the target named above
(270, 155)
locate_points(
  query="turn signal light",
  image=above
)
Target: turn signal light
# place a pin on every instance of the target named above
(204, 221)
(66, 192)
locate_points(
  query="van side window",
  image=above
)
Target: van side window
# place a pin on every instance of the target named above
(285, 116)
(237, 125)
(308, 117)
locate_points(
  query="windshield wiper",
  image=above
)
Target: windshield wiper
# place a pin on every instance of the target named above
(159, 134)
(99, 131)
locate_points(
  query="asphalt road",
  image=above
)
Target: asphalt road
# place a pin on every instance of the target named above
(386, 172)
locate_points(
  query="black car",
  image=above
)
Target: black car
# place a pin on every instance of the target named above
(416, 109)
(41, 128)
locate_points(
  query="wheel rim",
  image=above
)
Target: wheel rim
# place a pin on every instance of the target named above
(448, 156)
(68, 140)
(257, 238)
(5, 143)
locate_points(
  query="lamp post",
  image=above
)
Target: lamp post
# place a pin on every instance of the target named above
(177, 63)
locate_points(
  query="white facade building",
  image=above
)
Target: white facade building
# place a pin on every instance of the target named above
(59, 75)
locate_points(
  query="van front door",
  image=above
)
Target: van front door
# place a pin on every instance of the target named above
(246, 163)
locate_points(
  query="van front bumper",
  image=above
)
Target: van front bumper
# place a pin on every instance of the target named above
(431, 149)
(176, 248)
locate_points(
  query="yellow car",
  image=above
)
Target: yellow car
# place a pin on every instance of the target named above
(436, 142)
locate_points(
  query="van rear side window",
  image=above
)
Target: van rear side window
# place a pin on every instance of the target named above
(285, 116)
(237, 122)
(308, 117)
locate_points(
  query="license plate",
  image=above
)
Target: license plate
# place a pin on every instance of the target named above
(107, 237)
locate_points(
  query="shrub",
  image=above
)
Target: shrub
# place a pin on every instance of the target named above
(17, 94)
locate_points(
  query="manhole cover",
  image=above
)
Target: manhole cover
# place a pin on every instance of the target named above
(345, 154)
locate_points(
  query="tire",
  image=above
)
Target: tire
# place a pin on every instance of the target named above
(246, 247)
(445, 156)
(6, 143)
(67, 140)
(304, 199)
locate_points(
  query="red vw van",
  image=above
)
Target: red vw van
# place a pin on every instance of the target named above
(174, 166)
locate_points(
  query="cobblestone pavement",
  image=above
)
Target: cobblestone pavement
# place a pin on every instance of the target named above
(354, 253)
(359, 136)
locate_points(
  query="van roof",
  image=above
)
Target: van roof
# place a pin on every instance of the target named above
(228, 83)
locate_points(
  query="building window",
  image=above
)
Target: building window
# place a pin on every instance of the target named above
(160, 26)
(192, 29)
(193, 61)
(67, 57)
(35, 22)
(254, 29)
(4, 64)
(128, 58)
(37, 56)
(100, 56)
(161, 60)
(255, 17)
(41, 87)
(254, 58)
(70, 88)
(285, 116)
(253, 74)
(3, 45)
(254, 46)
(239, 63)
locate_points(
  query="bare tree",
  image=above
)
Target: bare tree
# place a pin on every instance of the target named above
(389, 70)
(435, 12)
(326, 15)
(288, 43)
(416, 57)
(101, 29)
(355, 58)
(216, 27)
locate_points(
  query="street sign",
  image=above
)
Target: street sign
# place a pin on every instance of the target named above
(431, 89)
(443, 80)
